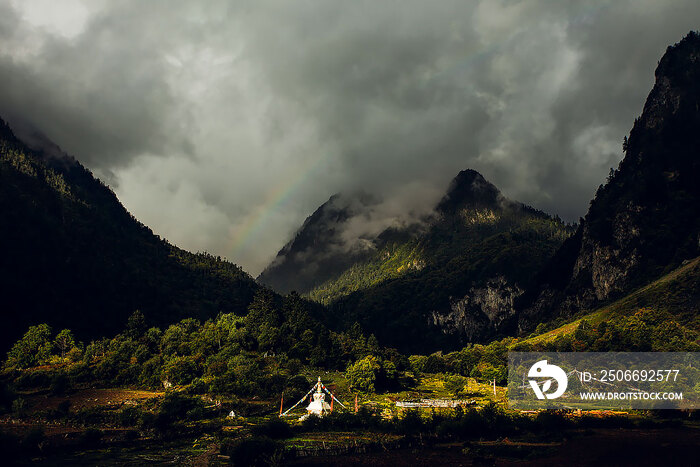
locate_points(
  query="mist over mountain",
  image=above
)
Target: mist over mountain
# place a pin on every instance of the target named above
(428, 280)
(323, 246)
(448, 277)
(444, 282)
(403, 178)
(211, 111)
(645, 220)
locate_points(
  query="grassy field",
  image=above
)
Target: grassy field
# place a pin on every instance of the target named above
(67, 441)
(428, 387)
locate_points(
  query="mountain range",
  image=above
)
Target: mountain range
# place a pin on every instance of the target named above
(438, 283)
(479, 266)
(482, 265)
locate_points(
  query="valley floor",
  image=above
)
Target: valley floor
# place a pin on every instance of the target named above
(633, 447)
(621, 447)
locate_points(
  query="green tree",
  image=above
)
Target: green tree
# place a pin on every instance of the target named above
(33, 348)
(417, 363)
(455, 384)
(434, 364)
(362, 374)
(136, 325)
(488, 372)
(181, 370)
(64, 341)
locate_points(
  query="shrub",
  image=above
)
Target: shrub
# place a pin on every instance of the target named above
(181, 370)
(410, 423)
(550, 420)
(80, 372)
(150, 372)
(90, 416)
(176, 407)
(129, 416)
(32, 349)
(296, 387)
(74, 355)
(33, 379)
(34, 440)
(198, 386)
(455, 384)
(434, 364)
(417, 363)
(19, 407)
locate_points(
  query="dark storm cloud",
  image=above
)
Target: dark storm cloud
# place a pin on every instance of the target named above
(102, 94)
(225, 124)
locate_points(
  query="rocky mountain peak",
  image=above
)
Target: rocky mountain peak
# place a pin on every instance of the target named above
(469, 189)
(318, 248)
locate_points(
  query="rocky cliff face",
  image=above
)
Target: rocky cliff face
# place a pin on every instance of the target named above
(482, 311)
(646, 219)
(458, 277)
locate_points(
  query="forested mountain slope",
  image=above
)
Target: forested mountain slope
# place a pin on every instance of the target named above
(452, 280)
(645, 221)
(663, 315)
(318, 252)
(72, 256)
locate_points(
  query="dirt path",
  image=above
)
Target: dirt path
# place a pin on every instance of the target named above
(89, 398)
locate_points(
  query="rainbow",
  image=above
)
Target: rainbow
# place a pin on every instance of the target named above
(242, 236)
(275, 198)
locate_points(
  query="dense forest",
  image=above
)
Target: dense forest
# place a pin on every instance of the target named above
(478, 249)
(198, 372)
(263, 352)
(74, 257)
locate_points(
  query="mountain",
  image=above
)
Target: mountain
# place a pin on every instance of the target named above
(645, 221)
(318, 252)
(72, 256)
(672, 301)
(446, 280)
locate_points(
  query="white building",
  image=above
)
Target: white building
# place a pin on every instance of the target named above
(318, 405)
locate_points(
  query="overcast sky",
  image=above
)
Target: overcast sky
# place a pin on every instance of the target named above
(222, 125)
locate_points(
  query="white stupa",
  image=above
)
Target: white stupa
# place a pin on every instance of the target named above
(318, 405)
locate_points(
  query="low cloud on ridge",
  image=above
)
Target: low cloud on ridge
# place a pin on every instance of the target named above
(222, 125)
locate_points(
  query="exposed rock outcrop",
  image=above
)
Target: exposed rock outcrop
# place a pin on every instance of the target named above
(480, 312)
(646, 219)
